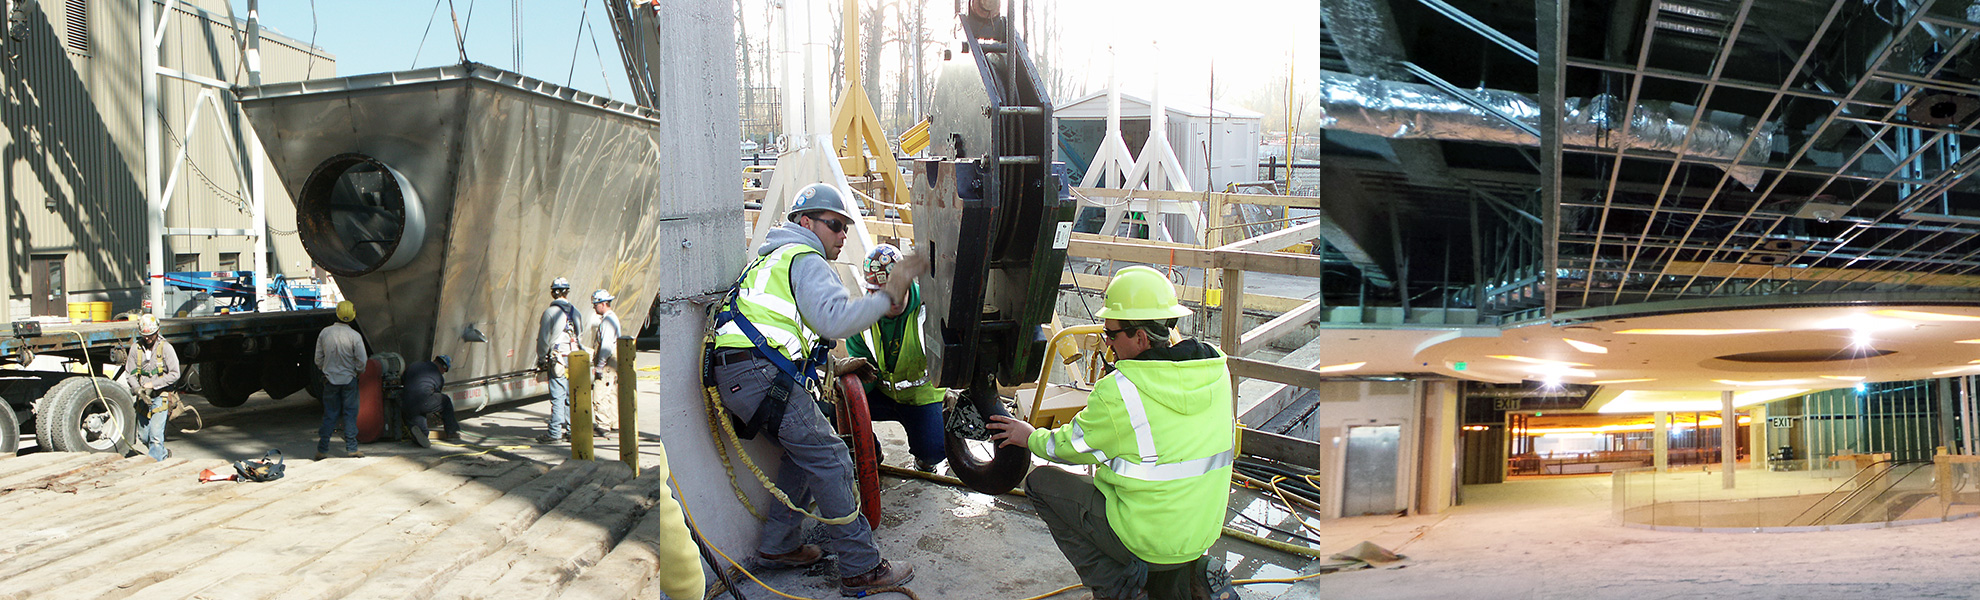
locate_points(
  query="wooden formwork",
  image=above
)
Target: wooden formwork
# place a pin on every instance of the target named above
(467, 526)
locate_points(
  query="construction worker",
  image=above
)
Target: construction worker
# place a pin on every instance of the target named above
(150, 367)
(1161, 430)
(422, 395)
(897, 386)
(340, 357)
(604, 366)
(556, 339)
(770, 342)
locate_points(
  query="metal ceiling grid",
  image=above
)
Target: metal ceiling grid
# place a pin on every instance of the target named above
(1629, 253)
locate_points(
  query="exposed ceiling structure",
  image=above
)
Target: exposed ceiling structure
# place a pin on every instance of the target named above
(1706, 149)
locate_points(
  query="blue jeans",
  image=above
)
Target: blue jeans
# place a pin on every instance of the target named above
(151, 426)
(414, 410)
(923, 423)
(560, 405)
(815, 466)
(340, 402)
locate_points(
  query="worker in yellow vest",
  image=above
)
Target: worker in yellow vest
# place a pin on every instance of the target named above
(890, 352)
(1160, 427)
(770, 341)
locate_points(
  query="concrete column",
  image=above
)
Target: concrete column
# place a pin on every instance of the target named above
(1760, 447)
(1728, 429)
(1660, 443)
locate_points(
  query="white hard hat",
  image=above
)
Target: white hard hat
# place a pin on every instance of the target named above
(879, 264)
(560, 284)
(601, 296)
(147, 325)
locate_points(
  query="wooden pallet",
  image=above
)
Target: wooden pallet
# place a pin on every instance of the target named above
(99, 526)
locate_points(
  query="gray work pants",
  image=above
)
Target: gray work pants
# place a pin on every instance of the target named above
(816, 466)
(1076, 513)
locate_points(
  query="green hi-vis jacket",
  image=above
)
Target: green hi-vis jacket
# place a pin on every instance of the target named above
(900, 360)
(1161, 429)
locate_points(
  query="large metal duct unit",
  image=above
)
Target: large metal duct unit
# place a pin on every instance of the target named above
(1412, 111)
(445, 200)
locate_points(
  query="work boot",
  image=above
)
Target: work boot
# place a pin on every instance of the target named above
(884, 575)
(601, 433)
(321, 456)
(450, 436)
(804, 556)
(1211, 581)
(926, 467)
(355, 454)
(420, 437)
(552, 439)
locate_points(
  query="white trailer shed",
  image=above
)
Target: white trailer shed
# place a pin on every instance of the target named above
(1214, 148)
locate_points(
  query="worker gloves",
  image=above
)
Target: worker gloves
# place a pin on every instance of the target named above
(903, 273)
(853, 365)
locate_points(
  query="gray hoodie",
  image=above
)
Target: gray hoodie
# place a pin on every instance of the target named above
(826, 306)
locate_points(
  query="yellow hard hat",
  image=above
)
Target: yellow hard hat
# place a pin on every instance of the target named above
(346, 311)
(1141, 294)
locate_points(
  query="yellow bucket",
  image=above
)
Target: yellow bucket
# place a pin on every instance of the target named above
(78, 312)
(99, 311)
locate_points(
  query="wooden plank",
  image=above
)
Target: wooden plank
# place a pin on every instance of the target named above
(1189, 293)
(1289, 450)
(29, 462)
(332, 575)
(171, 535)
(1301, 265)
(417, 575)
(1134, 251)
(1271, 242)
(1276, 328)
(542, 570)
(22, 508)
(1258, 199)
(584, 508)
(57, 465)
(628, 571)
(304, 531)
(1258, 369)
(53, 522)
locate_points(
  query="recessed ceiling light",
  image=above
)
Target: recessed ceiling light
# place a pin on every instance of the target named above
(1967, 342)
(1693, 331)
(1916, 315)
(1614, 381)
(1538, 361)
(1342, 367)
(1956, 369)
(1585, 346)
(1844, 377)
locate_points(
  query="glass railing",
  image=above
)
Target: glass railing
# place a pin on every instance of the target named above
(1802, 495)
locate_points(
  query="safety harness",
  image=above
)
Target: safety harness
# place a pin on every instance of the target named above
(769, 412)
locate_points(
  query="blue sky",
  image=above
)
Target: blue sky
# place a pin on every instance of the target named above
(1247, 41)
(370, 36)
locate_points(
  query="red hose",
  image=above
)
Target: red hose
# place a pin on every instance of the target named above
(857, 421)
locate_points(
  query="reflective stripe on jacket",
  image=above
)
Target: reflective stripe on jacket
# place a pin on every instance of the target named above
(1162, 433)
(910, 366)
(765, 298)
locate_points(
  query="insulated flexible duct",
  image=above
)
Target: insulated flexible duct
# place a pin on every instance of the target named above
(1414, 111)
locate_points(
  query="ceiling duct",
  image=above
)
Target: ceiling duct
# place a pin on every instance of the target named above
(1413, 111)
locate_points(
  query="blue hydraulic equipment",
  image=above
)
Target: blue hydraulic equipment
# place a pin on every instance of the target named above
(233, 291)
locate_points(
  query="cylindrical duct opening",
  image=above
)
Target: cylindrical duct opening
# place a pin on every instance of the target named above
(357, 215)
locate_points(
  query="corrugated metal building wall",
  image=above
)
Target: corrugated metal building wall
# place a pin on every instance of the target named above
(73, 144)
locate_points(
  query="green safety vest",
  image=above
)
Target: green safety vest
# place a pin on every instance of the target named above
(911, 366)
(1163, 434)
(764, 296)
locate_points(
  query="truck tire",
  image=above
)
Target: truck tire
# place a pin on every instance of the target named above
(281, 377)
(87, 414)
(10, 431)
(225, 384)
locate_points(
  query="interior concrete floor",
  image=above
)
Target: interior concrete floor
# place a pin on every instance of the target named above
(1555, 538)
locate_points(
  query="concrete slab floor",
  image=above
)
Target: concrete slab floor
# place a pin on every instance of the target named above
(1555, 538)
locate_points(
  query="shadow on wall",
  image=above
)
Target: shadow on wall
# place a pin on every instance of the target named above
(60, 152)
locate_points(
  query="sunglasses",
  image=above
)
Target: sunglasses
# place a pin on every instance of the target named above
(837, 226)
(1113, 332)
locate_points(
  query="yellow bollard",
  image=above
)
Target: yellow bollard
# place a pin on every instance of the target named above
(628, 403)
(580, 378)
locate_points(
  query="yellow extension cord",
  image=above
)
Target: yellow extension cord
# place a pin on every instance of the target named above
(718, 417)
